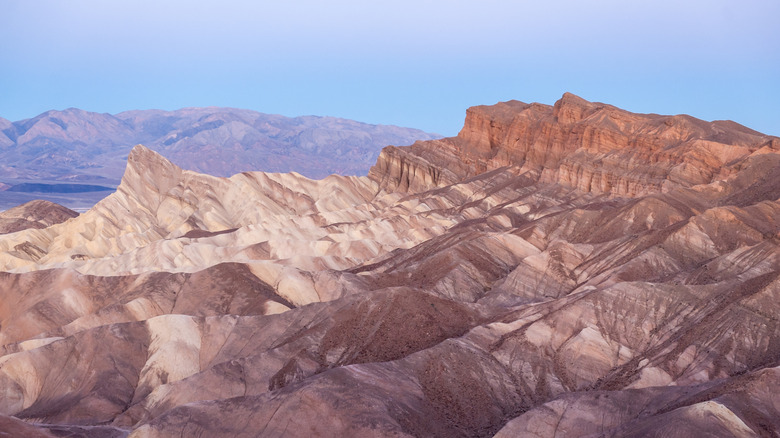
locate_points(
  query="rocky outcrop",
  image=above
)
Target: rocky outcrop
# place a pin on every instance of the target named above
(468, 287)
(593, 147)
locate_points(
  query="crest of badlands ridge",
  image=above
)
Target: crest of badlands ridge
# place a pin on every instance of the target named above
(165, 218)
(590, 146)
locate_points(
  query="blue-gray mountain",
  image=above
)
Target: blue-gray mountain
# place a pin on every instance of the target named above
(75, 145)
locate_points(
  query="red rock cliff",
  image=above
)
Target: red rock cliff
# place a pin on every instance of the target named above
(591, 146)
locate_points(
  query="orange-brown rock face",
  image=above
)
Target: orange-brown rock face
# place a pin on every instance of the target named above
(589, 146)
(566, 271)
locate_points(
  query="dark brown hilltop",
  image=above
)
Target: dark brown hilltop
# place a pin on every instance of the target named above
(33, 214)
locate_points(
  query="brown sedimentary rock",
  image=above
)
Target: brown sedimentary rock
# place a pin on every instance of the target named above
(593, 147)
(33, 214)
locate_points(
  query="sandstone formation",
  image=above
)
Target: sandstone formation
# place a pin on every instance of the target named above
(590, 146)
(565, 271)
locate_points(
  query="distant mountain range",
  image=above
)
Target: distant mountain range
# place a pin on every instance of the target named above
(80, 146)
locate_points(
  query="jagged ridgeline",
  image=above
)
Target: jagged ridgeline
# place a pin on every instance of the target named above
(568, 270)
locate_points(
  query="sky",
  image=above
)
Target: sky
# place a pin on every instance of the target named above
(414, 63)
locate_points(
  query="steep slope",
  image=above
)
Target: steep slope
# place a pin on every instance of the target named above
(470, 286)
(4, 140)
(63, 144)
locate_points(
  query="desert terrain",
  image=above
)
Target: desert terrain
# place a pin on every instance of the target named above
(559, 270)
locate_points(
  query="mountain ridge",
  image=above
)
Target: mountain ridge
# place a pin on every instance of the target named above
(545, 137)
(59, 144)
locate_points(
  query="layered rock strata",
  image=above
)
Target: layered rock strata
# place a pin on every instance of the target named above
(593, 147)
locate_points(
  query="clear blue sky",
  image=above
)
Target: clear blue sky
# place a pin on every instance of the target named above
(414, 63)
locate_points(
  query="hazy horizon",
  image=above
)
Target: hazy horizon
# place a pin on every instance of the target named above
(411, 64)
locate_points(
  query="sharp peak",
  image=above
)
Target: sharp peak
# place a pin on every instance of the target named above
(571, 96)
(572, 108)
(141, 156)
(148, 170)
(141, 149)
(573, 99)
